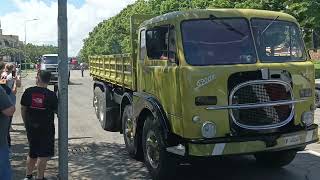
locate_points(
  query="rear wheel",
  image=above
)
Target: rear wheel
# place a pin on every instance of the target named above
(106, 109)
(158, 161)
(275, 159)
(96, 94)
(102, 109)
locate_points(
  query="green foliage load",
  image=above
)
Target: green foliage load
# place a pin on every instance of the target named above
(112, 36)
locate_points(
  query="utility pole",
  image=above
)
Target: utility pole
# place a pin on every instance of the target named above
(63, 89)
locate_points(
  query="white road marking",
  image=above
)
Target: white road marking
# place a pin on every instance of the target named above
(314, 153)
(218, 149)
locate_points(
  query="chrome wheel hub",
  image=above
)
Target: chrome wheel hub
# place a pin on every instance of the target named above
(95, 104)
(101, 114)
(153, 149)
(129, 130)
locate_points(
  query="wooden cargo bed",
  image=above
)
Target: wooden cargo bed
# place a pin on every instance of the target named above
(114, 69)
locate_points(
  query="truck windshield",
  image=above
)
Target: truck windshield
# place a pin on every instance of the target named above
(218, 41)
(50, 60)
(278, 41)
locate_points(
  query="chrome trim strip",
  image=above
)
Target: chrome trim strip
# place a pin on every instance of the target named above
(255, 105)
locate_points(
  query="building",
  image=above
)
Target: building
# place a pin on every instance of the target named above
(9, 41)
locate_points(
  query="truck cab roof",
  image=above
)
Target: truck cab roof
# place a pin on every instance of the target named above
(202, 13)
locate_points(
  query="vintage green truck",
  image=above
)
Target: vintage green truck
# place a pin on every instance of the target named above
(206, 83)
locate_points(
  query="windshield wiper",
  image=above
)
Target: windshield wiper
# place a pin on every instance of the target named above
(229, 27)
(269, 25)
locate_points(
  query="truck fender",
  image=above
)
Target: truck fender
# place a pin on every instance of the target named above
(126, 99)
(150, 103)
(102, 85)
(99, 84)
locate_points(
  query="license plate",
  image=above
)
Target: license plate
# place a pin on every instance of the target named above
(292, 140)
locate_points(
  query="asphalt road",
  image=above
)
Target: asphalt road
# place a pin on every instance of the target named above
(97, 154)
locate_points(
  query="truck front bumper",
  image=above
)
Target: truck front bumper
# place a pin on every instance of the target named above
(246, 145)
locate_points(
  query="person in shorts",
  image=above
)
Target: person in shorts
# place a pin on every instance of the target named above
(6, 110)
(38, 105)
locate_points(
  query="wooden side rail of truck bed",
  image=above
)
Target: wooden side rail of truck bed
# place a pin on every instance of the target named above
(115, 69)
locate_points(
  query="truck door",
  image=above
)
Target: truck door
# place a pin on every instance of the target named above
(158, 68)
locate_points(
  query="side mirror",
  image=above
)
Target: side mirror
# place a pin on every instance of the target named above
(315, 41)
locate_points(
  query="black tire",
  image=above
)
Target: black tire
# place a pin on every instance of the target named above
(131, 141)
(275, 159)
(110, 111)
(166, 163)
(317, 98)
(102, 110)
(107, 110)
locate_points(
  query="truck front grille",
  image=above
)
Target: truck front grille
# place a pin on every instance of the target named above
(52, 69)
(258, 108)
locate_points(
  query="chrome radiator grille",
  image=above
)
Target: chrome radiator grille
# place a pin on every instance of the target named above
(52, 69)
(264, 104)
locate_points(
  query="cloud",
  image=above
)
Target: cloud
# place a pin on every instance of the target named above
(81, 20)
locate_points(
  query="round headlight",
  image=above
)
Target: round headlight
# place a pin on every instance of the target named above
(307, 118)
(208, 130)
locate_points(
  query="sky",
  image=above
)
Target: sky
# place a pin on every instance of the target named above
(83, 16)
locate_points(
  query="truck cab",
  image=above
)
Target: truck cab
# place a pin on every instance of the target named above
(49, 62)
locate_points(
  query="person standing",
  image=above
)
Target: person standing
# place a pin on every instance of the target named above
(82, 68)
(38, 105)
(6, 110)
(10, 77)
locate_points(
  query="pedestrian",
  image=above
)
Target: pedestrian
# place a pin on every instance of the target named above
(38, 105)
(6, 110)
(82, 68)
(9, 75)
(3, 79)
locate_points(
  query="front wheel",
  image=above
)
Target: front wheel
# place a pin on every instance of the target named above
(157, 160)
(128, 133)
(275, 159)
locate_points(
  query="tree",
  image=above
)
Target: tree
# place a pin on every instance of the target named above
(33, 52)
(112, 36)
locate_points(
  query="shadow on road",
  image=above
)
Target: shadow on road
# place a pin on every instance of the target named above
(111, 161)
(74, 83)
(104, 161)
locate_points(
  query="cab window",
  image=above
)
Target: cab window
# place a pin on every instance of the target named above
(161, 43)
